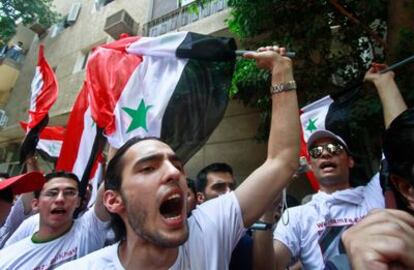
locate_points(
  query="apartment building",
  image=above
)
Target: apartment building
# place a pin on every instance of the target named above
(88, 23)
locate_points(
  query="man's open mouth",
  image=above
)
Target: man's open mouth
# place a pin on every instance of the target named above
(171, 208)
(58, 211)
(327, 165)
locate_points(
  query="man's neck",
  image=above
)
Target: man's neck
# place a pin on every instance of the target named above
(47, 233)
(329, 189)
(140, 254)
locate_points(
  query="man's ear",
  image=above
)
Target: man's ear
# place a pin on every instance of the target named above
(113, 202)
(35, 204)
(200, 197)
(351, 162)
(403, 187)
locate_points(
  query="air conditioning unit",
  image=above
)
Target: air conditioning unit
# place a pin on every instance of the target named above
(118, 23)
(3, 118)
(38, 28)
(73, 13)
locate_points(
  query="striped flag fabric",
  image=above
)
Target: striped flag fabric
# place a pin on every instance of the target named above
(50, 141)
(83, 142)
(44, 92)
(174, 87)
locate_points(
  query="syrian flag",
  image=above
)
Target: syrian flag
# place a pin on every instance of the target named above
(50, 141)
(44, 91)
(83, 142)
(173, 88)
(81, 134)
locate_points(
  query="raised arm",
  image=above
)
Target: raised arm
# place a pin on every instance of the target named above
(265, 183)
(27, 198)
(392, 102)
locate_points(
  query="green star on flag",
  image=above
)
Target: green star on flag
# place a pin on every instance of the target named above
(139, 116)
(311, 126)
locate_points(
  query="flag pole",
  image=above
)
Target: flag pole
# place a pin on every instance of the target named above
(398, 64)
(360, 83)
(241, 52)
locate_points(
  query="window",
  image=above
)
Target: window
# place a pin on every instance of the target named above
(100, 4)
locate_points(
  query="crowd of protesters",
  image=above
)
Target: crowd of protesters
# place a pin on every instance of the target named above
(148, 215)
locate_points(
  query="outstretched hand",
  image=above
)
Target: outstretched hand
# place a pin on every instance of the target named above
(374, 76)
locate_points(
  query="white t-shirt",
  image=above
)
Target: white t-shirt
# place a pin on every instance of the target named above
(28, 227)
(215, 228)
(14, 219)
(312, 233)
(86, 235)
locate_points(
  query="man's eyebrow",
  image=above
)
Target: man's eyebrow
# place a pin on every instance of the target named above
(153, 157)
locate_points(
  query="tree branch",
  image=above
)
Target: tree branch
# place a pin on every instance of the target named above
(353, 19)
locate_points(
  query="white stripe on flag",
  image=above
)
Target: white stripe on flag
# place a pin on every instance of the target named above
(36, 86)
(86, 143)
(165, 45)
(313, 116)
(95, 181)
(151, 85)
(51, 147)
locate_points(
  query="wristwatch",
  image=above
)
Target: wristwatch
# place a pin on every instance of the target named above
(281, 87)
(263, 226)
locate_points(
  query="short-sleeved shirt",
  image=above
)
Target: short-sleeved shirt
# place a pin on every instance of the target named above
(215, 227)
(86, 235)
(312, 231)
(28, 227)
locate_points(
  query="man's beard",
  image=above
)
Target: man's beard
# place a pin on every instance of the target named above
(137, 220)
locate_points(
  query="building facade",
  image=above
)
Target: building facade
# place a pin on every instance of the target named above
(89, 23)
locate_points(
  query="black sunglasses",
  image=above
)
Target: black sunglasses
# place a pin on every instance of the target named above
(332, 148)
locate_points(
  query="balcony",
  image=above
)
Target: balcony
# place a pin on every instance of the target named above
(182, 17)
(10, 64)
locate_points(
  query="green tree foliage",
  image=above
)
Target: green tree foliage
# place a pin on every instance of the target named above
(25, 11)
(334, 40)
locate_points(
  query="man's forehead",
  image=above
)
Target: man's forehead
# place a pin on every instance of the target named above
(57, 182)
(220, 177)
(148, 147)
(324, 141)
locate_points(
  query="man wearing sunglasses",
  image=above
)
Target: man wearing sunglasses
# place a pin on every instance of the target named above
(312, 233)
(60, 238)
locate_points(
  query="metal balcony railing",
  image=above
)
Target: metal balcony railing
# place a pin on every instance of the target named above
(181, 17)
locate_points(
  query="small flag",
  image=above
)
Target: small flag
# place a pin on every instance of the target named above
(44, 91)
(50, 141)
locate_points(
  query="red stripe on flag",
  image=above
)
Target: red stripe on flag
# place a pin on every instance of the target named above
(49, 133)
(108, 71)
(48, 93)
(74, 130)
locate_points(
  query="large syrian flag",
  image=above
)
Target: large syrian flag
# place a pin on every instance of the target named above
(50, 141)
(44, 91)
(174, 87)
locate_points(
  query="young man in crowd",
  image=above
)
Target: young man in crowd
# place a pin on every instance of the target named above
(212, 181)
(60, 238)
(146, 193)
(314, 230)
